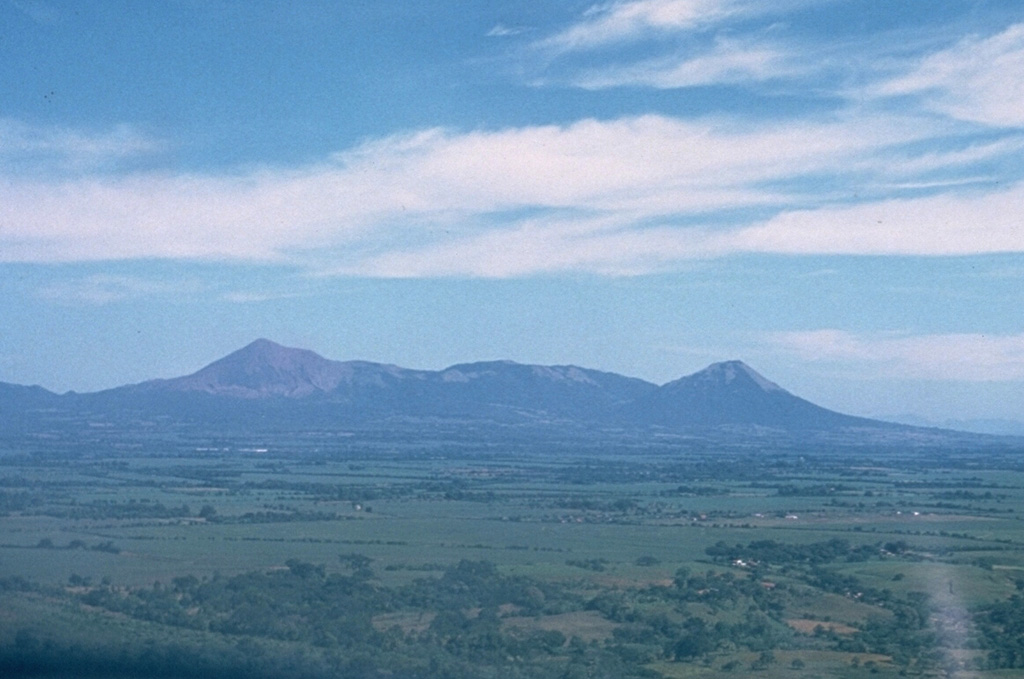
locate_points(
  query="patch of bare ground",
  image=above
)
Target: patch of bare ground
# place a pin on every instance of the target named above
(407, 622)
(587, 625)
(806, 626)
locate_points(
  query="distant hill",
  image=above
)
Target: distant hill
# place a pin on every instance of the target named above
(266, 384)
(14, 397)
(733, 393)
(991, 426)
(21, 405)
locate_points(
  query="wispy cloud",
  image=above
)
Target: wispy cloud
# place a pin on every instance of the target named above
(256, 297)
(958, 224)
(978, 79)
(969, 357)
(620, 21)
(617, 196)
(545, 245)
(727, 61)
(48, 148)
(503, 31)
(672, 44)
(101, 289)
(939, 225)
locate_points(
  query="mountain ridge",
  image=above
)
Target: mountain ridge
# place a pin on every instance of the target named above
(278, 382)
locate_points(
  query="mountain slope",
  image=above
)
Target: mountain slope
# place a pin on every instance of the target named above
(495, 390)
(505, 389)
(265, 369)
(271, 379)
(17, 397)
(732, 393)
(267, 384)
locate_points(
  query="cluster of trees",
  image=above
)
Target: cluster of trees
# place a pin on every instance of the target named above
(18, 501)
(334, 614)
(107, 546)
(102, 509)
(335, 618)
(304, 620)
(771, 552)
(817, 490)
(1001, 631)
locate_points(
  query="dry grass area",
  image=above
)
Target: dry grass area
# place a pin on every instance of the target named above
(819, 664)
(405, 621)
(806, 626)
(587, 625)
(816, 604)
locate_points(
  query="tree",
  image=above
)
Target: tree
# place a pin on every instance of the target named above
(763, 661)
(696, 640)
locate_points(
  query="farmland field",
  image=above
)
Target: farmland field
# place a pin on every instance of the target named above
(147, 551)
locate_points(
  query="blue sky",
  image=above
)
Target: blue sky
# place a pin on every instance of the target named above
(829, 190)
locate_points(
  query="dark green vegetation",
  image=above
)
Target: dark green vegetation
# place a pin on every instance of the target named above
(154, 550)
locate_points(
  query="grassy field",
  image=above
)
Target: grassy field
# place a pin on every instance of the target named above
(610, 528)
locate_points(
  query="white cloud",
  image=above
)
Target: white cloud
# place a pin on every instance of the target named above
(978, 79)
(619, 21)
(48, 147)
(503, 31)
(672, 44)
(976, 153)
(935, 225)
(651, 164)
(598, 244)
(620, 196)
(969, 357)
(726, 62)
(938, 225)
(614, 245)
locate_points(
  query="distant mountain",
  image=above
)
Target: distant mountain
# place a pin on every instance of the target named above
(990, 426)
(733, 393)
(16, 397)
(265, 369)
(508, 390)
(502, 390)
(20, 405)
(268, 385)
